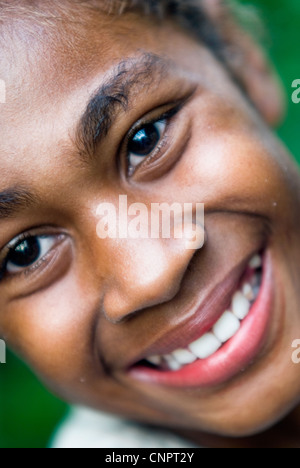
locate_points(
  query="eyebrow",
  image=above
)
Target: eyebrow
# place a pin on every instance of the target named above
(129, 77)
(14, 200)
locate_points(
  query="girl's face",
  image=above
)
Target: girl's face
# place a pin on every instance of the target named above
(167, 125)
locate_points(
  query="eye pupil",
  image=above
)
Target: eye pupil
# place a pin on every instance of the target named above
(144, 141)
(26, 253)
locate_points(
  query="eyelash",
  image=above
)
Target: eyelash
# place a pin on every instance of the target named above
(166, 116)
(12, 246)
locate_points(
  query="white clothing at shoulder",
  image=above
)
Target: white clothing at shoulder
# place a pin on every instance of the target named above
(85, 428)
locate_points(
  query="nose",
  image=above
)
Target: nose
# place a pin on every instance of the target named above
(143, 274)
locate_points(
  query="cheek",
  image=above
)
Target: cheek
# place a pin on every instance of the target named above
(52, 331)
(235, 166)
(230, 164)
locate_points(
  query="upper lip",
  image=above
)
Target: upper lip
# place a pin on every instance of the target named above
(205, 314)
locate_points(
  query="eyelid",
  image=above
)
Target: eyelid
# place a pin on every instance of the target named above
(34, 232)
(131, 157)
(4, 253)
(46, 243)
(166, 116)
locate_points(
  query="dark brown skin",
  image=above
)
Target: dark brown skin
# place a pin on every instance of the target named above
(91, 298)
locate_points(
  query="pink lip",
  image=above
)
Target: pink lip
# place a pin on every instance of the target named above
(236, 355)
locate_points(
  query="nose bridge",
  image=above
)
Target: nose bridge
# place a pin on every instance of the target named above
(144, 273)
(147, 250)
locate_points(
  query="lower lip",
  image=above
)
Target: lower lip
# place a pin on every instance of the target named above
(234, 356)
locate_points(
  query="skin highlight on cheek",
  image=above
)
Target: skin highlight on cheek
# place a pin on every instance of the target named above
(189, 339)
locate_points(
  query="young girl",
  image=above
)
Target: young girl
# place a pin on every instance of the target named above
(162, 102)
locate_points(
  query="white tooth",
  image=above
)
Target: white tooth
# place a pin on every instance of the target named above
(207, 345)
(172, 363)
(240, 305)
(248, 292)
(156, 360)
(226, 327)
(183, 356)
(255, 262)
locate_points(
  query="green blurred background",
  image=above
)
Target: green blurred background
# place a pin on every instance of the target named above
(28, 413)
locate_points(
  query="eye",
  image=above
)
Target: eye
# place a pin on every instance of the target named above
(28, 252)
(144, 142)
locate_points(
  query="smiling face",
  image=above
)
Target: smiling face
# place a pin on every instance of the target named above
(144, 111)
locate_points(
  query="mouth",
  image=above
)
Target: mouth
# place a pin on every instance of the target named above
(225, 347)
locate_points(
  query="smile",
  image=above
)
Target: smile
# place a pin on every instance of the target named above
(228, 346)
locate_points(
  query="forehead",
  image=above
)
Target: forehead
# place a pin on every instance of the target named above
(51, 71)
(41, 58)
(40, 62)
(43, 65)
